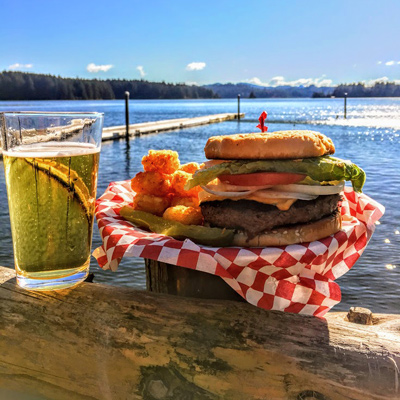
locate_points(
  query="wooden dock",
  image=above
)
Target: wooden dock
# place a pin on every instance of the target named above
(119, 132)
(106, 342)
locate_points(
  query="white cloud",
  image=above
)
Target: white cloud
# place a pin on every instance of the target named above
(20, 66)
(384, 79)
(379, 62)
(322, 81)
(93, 68)
(389, 63)
(141, 71)
(372, 82)
(195, 66)
(325, 82)
(281, 81)
(256, 81)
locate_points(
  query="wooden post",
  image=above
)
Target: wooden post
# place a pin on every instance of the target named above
(127, 115)
(2, 133)
(171, 279)
(345, 106)
(238, 106)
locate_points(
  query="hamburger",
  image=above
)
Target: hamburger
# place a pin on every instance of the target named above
(274, 189)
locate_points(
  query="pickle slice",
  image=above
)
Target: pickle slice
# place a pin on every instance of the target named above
(199, 234)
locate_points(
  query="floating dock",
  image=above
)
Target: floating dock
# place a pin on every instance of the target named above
(119, 132)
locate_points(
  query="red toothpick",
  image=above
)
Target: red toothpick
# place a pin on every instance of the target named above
(262, 119)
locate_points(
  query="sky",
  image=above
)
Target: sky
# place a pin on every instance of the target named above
(267, 42)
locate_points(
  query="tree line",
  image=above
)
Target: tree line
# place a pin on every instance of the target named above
(380, 89)
(16, 85)
(246, 90)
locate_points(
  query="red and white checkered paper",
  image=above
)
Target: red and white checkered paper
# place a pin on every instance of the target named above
(297, 278)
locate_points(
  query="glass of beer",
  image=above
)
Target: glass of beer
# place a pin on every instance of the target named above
(51, 163)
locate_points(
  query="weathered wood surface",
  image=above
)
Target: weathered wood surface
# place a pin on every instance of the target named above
(171, 279)
(105, 342)
(116, 132)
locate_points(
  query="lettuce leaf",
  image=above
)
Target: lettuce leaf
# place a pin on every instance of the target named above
(320, 169)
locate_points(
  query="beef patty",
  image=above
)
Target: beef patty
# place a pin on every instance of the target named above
(255, 218)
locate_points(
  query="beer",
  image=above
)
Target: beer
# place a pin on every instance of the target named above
(51, 191)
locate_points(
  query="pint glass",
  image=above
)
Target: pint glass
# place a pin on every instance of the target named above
(51, 162)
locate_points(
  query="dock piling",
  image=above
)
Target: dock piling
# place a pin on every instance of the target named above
(345, 105)
(238, 111)
(127, 115)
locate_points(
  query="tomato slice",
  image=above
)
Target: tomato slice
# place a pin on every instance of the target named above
(262, 178)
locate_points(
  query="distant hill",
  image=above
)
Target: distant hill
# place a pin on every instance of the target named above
(29, 86)
(246, 90)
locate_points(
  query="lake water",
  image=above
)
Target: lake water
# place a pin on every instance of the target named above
(370, 137)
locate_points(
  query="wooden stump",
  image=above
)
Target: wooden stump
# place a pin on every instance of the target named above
(171, 279)
(105, 342)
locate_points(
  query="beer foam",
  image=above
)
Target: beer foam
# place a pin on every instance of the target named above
(52, 150)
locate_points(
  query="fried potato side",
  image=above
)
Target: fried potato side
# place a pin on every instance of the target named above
(178, 181)
(185, 201)
(152, 182)
(160, 188)
(191, 167)
(184, 215)
(151, 204)
(164, 161)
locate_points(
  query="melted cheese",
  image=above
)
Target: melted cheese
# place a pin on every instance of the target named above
(281, 204)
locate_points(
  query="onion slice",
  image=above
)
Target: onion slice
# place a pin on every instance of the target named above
(227, 194)
(227, 187)
(292, 191)
(315, 190)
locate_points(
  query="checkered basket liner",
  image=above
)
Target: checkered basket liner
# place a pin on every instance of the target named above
(298, 278)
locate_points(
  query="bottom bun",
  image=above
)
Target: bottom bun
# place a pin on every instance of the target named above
(294, 234)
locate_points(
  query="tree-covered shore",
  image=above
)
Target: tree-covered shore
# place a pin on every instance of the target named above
(29, 86)
(380, 89)
(15, 85)
(246, 90)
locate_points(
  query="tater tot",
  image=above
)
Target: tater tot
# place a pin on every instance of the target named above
(184, 215)
(178, 181)
(151, 204)
(152, 182)
(164, 161)
(191, 167)
(185, 201)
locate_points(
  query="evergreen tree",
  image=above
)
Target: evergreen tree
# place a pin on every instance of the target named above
(15, 85)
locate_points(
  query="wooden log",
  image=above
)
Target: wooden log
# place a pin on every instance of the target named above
(105, 342)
